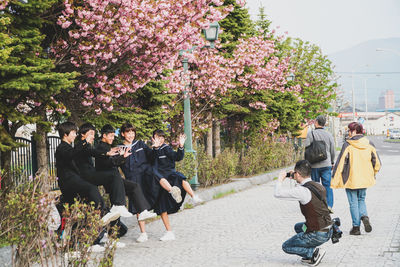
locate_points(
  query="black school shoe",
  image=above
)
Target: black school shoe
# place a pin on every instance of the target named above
(367, 224)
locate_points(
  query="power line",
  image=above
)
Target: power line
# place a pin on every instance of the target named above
(369, 73)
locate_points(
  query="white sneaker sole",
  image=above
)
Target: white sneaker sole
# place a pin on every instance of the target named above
(110, 217)
(176, 194)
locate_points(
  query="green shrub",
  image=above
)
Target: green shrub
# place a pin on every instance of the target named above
(260, 156)
(187, 166)
(266, 154)
(25, 212)
(218, 170)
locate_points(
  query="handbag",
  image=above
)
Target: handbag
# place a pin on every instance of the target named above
(316, 151)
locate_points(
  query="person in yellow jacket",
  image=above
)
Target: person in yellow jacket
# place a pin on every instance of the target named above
(355, 170)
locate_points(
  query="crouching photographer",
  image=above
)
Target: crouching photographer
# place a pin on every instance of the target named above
(316, 229)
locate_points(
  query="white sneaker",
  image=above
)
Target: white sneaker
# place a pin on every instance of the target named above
(122, 210)
(142, 238)
(197, 200)
(169, 235)
(104, 239)
(144, 215)
(96, 249)
(176, 194)
(109, 217)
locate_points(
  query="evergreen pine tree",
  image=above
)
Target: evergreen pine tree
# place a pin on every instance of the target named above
(28, 81)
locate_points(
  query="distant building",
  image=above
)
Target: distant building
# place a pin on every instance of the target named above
(386, 100)
(375, 123)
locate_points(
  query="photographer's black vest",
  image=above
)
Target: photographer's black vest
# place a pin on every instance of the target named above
(316, 211)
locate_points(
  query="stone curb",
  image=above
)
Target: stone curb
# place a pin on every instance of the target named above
(239, 184)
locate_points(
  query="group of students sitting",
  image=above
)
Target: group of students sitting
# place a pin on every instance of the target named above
(151, 181)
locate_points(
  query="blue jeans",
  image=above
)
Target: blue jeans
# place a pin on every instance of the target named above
(356, 198)
(325, 174)
(304, 244)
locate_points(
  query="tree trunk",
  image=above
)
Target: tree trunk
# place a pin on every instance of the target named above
(42, 155)
(6, 166)
(217, 138)
(6, 177)
(242, 148)
(209, 145)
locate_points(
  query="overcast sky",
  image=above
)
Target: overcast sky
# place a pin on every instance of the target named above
(334, 25)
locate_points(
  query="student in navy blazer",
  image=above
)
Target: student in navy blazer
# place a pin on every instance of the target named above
(138, 168)
(164, 170)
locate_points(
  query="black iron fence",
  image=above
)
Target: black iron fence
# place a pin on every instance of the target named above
(24, 163)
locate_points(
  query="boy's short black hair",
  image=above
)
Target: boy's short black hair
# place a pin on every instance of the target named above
(159, 133)
(303, 167)
(126, 127)
(65, 128)
(86, 127)
(107, 129)
(321, 120)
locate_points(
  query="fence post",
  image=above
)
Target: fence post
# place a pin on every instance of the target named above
(34, 156)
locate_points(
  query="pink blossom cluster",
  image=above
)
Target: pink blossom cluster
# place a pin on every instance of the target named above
(254, 67)
(120, 45)
(258, 105)
(268, 71)
(210, 77)
(3, 4)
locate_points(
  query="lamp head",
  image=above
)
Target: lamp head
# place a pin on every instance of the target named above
(211, 34)
(290, 78)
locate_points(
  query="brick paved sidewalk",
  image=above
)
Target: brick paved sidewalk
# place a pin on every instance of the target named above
(248, 229)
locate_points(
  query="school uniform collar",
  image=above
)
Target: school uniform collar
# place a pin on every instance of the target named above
(163, 146)
(134, 142)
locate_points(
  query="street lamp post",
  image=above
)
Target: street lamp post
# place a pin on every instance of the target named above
(352, 96)
(366, 106)
(211, 35)
(386, 111)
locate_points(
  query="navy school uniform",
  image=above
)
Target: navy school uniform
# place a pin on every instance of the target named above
(164, 167)
(110, 179)
(137, 168)
(70, 182)
(133, 190)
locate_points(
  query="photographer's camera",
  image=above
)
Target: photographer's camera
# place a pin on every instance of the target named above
(337, 233)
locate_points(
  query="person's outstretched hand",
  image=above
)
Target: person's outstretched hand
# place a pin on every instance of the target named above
(182, 139)
(155, 142)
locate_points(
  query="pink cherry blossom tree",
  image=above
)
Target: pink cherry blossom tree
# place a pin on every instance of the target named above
(244, 81)
(120, 45)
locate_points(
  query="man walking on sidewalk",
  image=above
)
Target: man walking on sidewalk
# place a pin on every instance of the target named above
(317, 229)
(322, 170)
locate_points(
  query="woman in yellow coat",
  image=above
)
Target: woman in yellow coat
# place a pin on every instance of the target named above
(355, 170)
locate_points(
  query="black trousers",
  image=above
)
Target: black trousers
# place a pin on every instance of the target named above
(112, 182)
(72, 186)
(135, 193)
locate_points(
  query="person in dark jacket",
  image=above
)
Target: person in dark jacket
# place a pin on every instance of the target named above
(322, 170)
(164, 169)
(316, 229)
(105, 163)
(71, 184)
(112, 183)
(137, 168)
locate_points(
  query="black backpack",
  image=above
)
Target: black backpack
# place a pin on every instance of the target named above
(316, 151)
